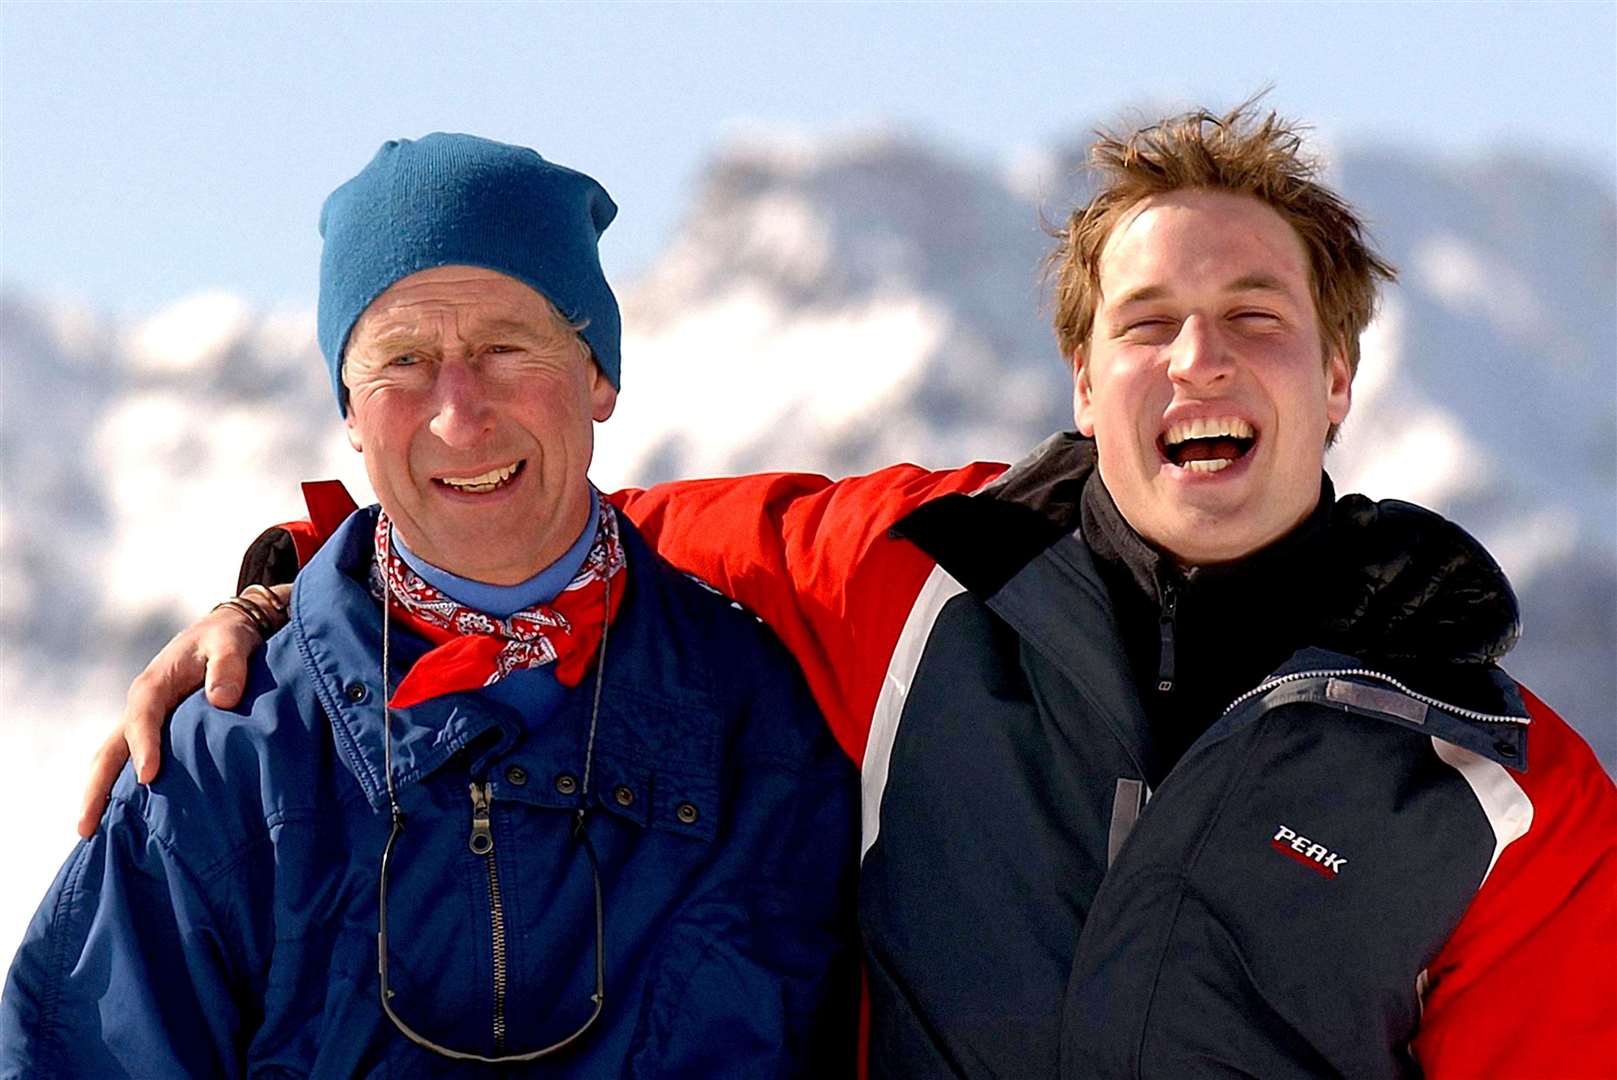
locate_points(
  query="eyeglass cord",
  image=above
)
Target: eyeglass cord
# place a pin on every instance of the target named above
(579, 833)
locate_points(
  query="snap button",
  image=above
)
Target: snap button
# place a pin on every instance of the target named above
(566, 783)
(622, 795)
(1504, 748)
(355, 692)
(517, 775)
(687, 813)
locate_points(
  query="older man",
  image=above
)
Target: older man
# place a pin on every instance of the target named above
(552, 805)
(1174, 763)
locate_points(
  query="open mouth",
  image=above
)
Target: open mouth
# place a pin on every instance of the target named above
(483, 483)
(1207, 444)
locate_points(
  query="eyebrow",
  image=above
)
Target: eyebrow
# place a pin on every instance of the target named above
(511, 328)
(1141, 295)
(1257, 281)
(406, 337)
(397, 337)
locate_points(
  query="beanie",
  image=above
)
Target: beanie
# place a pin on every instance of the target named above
(459, 200)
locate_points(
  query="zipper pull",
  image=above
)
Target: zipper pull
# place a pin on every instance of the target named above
(482, 839)
(1170, 607)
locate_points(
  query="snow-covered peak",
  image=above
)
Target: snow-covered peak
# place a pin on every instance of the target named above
(823, 223)
(189, 336)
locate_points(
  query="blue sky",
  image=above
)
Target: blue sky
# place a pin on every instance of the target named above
(148, 151)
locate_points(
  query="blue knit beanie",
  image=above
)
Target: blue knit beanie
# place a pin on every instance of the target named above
(458, 200)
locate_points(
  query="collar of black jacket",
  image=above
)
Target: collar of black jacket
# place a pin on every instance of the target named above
(1261, 581)
(1395, 582)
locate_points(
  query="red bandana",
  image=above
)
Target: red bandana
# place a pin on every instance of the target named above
(474, 649)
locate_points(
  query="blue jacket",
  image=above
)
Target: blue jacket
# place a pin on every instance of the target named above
(223, 921)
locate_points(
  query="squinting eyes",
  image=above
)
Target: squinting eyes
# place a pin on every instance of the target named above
(1154, 328)
(414, 359)
(1169, 328)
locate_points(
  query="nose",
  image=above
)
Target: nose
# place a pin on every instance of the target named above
(1199, 355)
(464, 413)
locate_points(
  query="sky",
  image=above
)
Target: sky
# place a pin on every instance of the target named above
(151, 151)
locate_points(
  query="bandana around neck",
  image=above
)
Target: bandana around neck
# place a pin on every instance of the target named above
(473, 649)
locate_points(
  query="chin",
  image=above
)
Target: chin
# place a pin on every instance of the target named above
(1206, 541)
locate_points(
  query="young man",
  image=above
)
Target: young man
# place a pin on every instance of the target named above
(552, 806)
(1174, 764)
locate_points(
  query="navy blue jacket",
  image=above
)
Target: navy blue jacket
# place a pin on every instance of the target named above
(223, 921)
(1286, 896)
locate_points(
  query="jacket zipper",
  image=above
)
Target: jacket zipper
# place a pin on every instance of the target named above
(481, 842)
(1170, 610)
(1336, 673)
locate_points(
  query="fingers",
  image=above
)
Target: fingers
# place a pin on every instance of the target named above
(152, 696)
(226, 675)
(215, 649)
(144, 742)
(103, 771)
(226, 650)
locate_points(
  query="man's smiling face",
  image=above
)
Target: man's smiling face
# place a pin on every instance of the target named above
(472, 402)
(1205, 381)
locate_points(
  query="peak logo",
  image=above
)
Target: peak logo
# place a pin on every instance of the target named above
(1317, 857)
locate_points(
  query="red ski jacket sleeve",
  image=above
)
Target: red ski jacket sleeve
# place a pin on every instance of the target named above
(813, 559)
(1526, 986)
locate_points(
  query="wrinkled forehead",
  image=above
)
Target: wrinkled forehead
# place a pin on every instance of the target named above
(466, 299)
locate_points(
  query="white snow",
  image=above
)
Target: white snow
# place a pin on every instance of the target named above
(1476, 282)
(188, 335)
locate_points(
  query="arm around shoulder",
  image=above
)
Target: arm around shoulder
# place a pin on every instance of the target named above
(814, 559)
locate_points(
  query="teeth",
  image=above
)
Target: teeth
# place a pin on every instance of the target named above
(485, 482)
(1208, 465)
(1208, 428)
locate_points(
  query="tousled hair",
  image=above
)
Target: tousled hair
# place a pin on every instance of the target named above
(1242, 152)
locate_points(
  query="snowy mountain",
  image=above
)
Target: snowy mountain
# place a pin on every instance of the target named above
(833, 307)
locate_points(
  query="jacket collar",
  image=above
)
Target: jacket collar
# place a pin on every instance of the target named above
(1395, 584)
(1262, 582)
(648, 702)
(337, 626)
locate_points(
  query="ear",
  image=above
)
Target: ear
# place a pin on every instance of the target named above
(353, 429)
(1083, 397)
(603, 395)
(1338, 387)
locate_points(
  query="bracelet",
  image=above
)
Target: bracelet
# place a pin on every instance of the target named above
(255, 615)
(267, 597)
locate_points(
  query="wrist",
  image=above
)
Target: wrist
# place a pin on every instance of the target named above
(263, 610)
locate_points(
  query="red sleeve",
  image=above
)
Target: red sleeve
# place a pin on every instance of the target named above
(1527, 984)
(813, 559)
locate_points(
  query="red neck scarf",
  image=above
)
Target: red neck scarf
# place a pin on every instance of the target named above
(473, 649)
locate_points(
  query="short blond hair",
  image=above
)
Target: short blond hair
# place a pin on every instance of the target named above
(1241, 152)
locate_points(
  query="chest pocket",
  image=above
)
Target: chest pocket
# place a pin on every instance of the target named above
(1276, 902)
(683, 802)
(656, 763)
